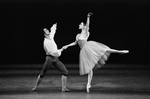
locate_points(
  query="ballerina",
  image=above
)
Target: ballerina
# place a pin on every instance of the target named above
(92, 54)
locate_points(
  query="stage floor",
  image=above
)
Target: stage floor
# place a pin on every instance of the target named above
(109, 84)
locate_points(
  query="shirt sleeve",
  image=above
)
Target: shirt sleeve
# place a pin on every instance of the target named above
(53, 31)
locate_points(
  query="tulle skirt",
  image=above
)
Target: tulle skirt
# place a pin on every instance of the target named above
(93, 54)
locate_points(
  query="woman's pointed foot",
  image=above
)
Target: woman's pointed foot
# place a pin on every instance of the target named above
(88, 88)
(125, 51)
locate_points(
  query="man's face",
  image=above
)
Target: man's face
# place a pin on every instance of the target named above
(46, 31)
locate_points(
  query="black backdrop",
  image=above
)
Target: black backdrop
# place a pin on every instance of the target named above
(120, 24)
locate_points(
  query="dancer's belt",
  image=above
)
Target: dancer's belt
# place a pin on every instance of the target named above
(51, 56)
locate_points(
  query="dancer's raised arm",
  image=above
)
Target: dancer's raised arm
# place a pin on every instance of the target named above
(88, 21)
(87, 25)
(53, 31)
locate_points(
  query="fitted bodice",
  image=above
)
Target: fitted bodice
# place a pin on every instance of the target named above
(81, 42)
(81, 39)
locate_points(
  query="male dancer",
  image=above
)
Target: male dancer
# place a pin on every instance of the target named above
(52, 58)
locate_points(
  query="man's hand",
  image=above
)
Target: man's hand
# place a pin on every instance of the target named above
(64, 47)
(89, 14)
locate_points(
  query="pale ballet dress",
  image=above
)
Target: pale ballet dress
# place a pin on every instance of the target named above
(92, 54)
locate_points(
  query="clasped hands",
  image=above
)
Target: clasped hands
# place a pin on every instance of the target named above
(64, 47)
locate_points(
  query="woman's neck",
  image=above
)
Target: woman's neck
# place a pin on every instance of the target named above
(83, 30)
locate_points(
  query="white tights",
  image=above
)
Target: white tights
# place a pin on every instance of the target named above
(90, 76)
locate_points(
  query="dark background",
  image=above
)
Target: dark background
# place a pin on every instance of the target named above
(120, 24)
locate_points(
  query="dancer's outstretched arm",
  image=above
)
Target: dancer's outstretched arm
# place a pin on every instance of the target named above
(69, 45)
(117, 51)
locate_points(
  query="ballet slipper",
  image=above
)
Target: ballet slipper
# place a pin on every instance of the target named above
(125, 51)
(65, 90)
(88, 88)
(33, 89)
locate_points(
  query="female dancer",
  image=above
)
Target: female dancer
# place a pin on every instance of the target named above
(92, 54)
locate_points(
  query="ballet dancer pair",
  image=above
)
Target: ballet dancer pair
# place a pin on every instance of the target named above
(92, 54)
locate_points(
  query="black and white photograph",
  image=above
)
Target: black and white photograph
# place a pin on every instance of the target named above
(74, 49)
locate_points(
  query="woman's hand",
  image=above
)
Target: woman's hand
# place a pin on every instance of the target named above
(64, 47)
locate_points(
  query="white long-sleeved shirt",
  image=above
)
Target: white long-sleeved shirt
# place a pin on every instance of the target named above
(51, 47)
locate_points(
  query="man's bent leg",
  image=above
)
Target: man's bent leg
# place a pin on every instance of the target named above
(64, 82)
(60, 66)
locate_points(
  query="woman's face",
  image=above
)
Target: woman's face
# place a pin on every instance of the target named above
(81, 25)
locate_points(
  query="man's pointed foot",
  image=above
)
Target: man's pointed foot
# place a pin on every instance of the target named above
(33, 89)
(65, 90)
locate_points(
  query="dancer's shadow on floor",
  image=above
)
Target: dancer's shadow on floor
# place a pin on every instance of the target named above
(105, 90)
(23, 90)
(93, 90)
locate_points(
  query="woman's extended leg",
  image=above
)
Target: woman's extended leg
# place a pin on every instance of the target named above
(117, 51)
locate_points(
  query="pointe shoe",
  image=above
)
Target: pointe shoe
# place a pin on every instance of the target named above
(88, 88)
(65, 90)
